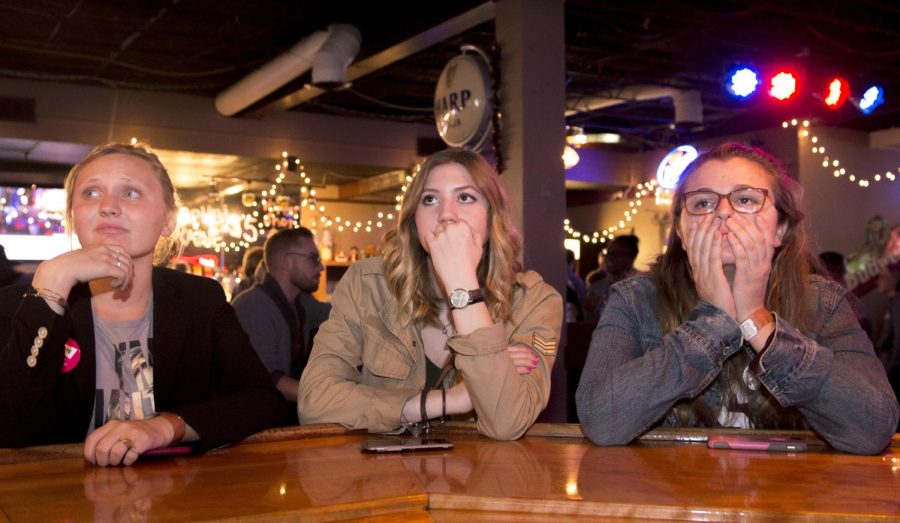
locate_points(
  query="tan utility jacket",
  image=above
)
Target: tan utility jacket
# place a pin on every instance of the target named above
(365, 366)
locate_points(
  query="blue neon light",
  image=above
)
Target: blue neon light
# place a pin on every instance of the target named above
(742, 82)
(872, 98)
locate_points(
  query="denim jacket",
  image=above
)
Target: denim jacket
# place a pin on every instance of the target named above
(634, 374)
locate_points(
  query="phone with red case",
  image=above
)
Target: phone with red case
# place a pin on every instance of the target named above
(765, 443)
(178, 450)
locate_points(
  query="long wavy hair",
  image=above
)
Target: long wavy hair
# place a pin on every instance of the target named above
(407, 269)
(166, 246)
(786, 293)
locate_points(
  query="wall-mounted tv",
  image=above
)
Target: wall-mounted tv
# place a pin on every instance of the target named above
(32, 225)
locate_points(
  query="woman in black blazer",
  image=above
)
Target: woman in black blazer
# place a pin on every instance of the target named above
(105, 348)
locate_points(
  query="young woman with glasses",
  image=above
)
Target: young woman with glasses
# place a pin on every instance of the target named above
(444, 323)
(731, 328)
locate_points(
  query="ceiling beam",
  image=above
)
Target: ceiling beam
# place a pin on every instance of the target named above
(437, 34)
(389, 181)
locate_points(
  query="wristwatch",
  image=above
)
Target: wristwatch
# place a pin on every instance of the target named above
(459, 298)
(752, 325)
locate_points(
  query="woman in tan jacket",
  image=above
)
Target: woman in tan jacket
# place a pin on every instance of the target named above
(444, 323)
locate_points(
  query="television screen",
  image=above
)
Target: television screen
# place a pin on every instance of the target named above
(33, 226)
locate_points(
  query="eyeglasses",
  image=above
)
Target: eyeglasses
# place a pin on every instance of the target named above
(746, 200)
(311, 256)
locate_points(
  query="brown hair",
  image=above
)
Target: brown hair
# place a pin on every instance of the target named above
(407, 270)
(786, 293)
(280, 242)
(166, 246)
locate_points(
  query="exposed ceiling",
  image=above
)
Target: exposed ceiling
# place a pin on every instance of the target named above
(204, 46)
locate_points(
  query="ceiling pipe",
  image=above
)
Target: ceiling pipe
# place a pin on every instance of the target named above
(289, 65)
(335, 55)
(435, 35)
(688, 104)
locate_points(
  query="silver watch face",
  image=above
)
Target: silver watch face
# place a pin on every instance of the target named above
(749, 329)
(459, 298)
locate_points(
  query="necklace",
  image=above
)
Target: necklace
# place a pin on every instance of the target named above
(446, 328)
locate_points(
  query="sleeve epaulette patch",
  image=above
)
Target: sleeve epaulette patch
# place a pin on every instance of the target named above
(544, 344)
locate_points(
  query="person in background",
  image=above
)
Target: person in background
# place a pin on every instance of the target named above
(731, 328)
(181, 267)
(619, 264)
(8, 273)
(107, 348)
(835, 267)
(575, 292)
(250, 261)
(280, 314)
(890, 342)
(444, 323)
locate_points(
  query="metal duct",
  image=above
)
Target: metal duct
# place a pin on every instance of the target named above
(688, 104)
(337, 53)
(337, 46)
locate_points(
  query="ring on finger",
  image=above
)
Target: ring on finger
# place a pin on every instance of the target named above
(118, 264)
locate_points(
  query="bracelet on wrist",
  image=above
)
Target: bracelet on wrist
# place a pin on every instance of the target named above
(48, 295)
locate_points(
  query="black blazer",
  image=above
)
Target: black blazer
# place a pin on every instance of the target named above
(204, 368)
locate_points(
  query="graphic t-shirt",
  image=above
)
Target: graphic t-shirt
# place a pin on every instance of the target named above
(124, 370)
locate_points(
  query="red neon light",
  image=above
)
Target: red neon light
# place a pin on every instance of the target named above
(837, 92)
(783, 86)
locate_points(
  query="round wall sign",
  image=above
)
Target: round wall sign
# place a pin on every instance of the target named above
(673, 164)
(462, 107)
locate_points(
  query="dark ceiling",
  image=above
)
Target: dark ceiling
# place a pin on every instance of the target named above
(204, 46)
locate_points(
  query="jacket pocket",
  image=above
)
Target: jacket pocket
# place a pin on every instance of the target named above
(384, 358)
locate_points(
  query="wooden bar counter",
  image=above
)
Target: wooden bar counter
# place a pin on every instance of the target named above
(318, 473)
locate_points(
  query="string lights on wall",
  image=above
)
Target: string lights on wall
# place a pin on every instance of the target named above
(276, 208)
(831, 162)
(635, 203)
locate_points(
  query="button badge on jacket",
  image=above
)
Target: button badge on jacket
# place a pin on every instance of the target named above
(71, 356)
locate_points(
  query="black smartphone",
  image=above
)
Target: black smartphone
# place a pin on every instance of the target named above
(405, 444)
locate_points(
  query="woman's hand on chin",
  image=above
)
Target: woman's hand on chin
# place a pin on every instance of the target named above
(455, 253)
(95, 262)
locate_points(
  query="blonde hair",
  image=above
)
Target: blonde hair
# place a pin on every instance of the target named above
(407, 270)
(786, 293)
(166, 246)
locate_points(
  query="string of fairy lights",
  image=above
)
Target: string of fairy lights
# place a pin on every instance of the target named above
(831, 162)
(276, 208)
(213, 226)
(638, 193)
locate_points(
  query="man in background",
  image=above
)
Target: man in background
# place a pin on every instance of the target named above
(280, 314)
(619, 264)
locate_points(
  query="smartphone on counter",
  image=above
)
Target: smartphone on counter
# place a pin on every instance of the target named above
(771, 444)
(178, 450)
(405, 444)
